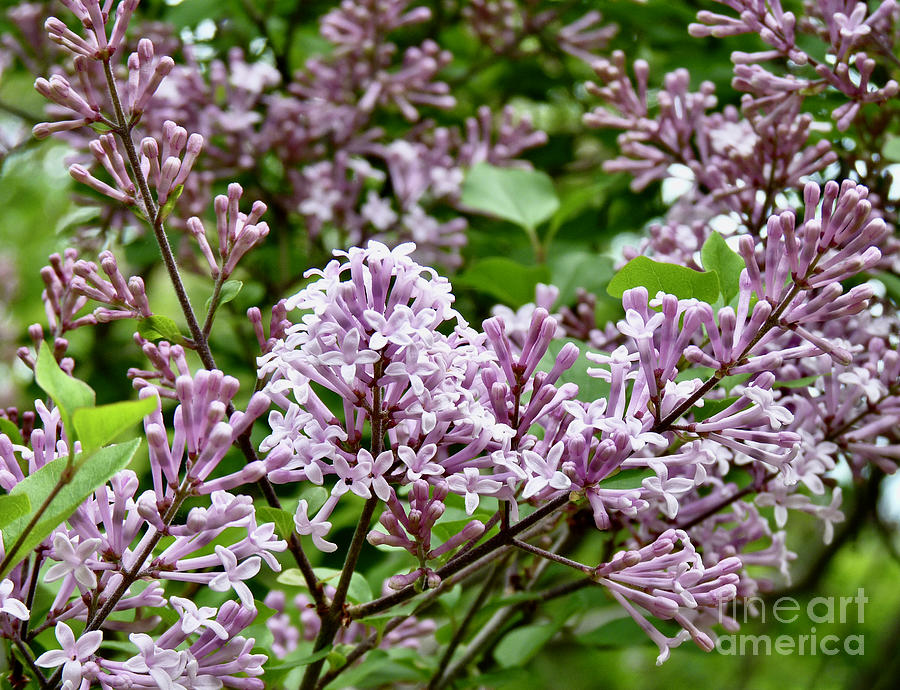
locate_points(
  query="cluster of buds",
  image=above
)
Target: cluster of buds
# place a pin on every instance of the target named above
(237, 232)
(113, 539)
(735, 159)
(844, 33)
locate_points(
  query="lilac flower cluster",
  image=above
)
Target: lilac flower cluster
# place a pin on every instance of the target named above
(847, 29)
(741, 162)
(463, 417)
(115, 539)
(738, 161)
(342, 169)
(504, 27)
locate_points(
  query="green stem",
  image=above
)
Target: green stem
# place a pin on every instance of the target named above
(501, 539)
(213, 305)
(474, 608)
(331, 623)
(124, 131)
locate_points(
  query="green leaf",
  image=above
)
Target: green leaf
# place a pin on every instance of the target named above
(891, 285)
(12, 507)
(580, 269)
(302, 659)
(589, 387)
(618, 633)
(682, 282)
(523, 197)
(380, 620)
(315, 497)
(522, 644)
(68, 393)
(11, 430)
(171, 201)
(504, 279)
(284, 521)
(626, 479)
(230, 290)
(797, 383)
(91, 471)
(891, 148)
(379, 669)
(576, 198)
(79, 215)
(359, 591)
(336, 659)
(97, 426)
(158, 327)
(717, 256)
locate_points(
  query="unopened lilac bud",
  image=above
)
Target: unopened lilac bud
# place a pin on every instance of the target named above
(398, 582)
(432, 579)
(217, 443)
(256, 212)
(194, 146)
(220, 205)
(80, 174)
(167, 174)
(255, 317)
(148, 509)
(215, 413)
(60, 345)
(139, 295)
(415, 520)
(241, 421)
(36, 333)
(229, 387)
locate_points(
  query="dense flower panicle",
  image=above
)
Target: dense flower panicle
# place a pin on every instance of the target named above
(670, 583)
(503, 26)
(732, 157)
(331, 105)
(115, 532)
(773, 432)
(376, 313)
(845, 28)
(443, 402)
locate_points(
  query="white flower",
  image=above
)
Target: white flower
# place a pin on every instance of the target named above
(349, 356)
(317, 528)
(472, 484)
(544, 472)
(10, 605)
(378, 211)
(635, 327)
(419, 464)
(765, 401)
(72, 654)
(234, 575)
(193, 617)
(73, 557)
(872, 388)
(666, 488)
